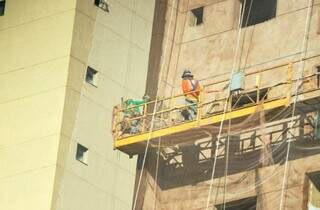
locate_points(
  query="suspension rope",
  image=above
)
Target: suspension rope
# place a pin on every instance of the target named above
(244, 36)
(229, 126)
(227, 100)
(153, 113)
(227, 165)
(242, 9)
(265, 180)
(300, 75)
(156, 177)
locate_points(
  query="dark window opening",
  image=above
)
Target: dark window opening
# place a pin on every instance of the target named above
(317, 126)
(240, 100)
(243, 204)
(318, 75)
(196, 16)
(2, 7)
(258, 11)
(97, 2)
(312, 190)
(82, 154)
(315, 179)
(91, 76)
(102, 4)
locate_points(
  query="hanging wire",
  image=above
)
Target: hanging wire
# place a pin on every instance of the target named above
(263, 180)
(226, 103)
(229, 126)
(245, 30)
(300, 75)
(156, 176)
(227, 164)
(256, 184)
(153, 114)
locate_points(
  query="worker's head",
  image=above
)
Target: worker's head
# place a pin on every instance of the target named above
(187, 74)
(146, 98)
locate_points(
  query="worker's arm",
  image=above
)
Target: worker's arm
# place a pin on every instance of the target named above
(218, 91)
(185, 87)
(214, 91)
(188, 90)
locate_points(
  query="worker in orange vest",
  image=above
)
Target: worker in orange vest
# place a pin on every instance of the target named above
(191, 89)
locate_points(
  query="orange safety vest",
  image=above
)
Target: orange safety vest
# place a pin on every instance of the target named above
(190, 86)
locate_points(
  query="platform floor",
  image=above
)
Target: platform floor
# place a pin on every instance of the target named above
(241, 118)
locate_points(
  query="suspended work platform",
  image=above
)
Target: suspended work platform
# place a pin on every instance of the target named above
(242, 109)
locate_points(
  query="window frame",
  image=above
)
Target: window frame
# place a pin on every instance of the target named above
(247, 21)
(82, 154)
(93, 74)
(194, 16)
(317, 71)
(102, 4)
(232, 203)
(3, 6)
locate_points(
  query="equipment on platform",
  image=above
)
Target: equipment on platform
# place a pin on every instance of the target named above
(163, 121)
(237, 82)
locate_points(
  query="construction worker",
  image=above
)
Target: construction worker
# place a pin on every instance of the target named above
(191, 89)
(133, 108)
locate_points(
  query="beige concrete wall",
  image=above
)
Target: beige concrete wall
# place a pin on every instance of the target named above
(116, 44)
(208, 50)
(240, 185)
(46, 107)
(35, 41)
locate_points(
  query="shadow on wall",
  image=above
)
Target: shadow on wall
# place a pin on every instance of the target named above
(248, 150)
(156, 51)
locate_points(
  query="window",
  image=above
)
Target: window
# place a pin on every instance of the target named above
(82, 154)
(102, 4)
(196, 16)
(91, 76)
(314, 190)
(243, 204)
(258, 11)
(2, 7)
(317, 126)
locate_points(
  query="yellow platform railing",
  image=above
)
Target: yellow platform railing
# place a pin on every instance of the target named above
(168, 111)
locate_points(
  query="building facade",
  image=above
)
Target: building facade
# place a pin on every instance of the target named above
(260, 39)
(64, 65)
